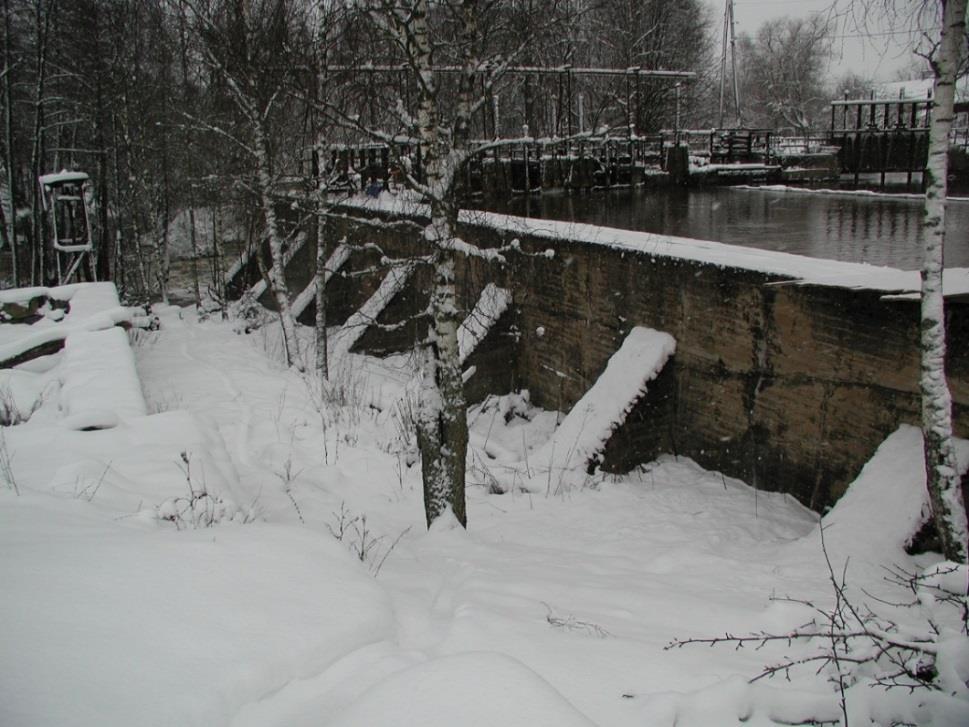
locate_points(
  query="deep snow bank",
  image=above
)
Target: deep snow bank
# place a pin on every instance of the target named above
(477, 689)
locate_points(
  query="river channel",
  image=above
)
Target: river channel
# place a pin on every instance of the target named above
(875, 229)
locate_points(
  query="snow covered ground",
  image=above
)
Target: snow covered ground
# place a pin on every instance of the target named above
(253, 552)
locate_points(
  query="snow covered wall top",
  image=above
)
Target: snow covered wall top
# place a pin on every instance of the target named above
(798, 268)
(789, 371)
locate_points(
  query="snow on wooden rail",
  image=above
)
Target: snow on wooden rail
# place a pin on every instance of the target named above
(256, 291)
(337, 260)
(356, 325)
(492, 303)
(582, 436)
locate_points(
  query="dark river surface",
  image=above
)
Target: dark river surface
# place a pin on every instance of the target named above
(880, 230)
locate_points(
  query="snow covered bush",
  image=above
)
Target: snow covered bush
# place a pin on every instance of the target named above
(403, 438)
(199, 508)
(13, 412)
(340, 402)
(249, 314)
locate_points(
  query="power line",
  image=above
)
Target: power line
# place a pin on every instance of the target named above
(886, 32)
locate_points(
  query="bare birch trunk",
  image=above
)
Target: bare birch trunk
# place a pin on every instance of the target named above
(192, 233)
(322, 184)
(442, 421)
(279, 287)
(42, 264)
(193, 237)
(8, 142)
(941, 469)
(218, 261)
(322, 344)
(162, 248)
(443, 424)
(102, 267)
(133, 198)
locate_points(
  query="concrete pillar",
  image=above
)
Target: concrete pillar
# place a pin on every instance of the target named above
(678, 164)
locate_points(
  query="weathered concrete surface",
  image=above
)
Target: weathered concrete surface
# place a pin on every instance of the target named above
(789, 387)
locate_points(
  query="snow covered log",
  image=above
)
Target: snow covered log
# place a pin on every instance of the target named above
(356, 325)
(337, 260)
(582, 436)
(491, 305)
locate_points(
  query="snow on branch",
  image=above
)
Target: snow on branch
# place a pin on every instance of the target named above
(357, 324)
(376, 222)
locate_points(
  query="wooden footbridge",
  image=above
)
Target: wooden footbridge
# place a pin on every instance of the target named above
(527, 164)
(878, 136)
(865, 137)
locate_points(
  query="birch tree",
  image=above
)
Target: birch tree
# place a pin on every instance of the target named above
(442, 427)
(10, 164)
(423, 35)
(941, 468)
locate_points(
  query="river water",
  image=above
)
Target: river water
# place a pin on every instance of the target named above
(880, 230)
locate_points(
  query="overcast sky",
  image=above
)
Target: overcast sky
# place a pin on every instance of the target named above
(880, 55)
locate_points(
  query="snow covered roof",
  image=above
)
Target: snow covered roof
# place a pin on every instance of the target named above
(62, 177)
(917, 88)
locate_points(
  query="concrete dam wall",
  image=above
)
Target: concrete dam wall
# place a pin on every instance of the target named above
(788, 372)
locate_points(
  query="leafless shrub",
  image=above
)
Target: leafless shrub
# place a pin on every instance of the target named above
(142, 337)
(353, 531)
(479, 473)
(340, 404)
(571, 623)
(158, 402)
(403, 421)
(10, 412)
(198, 509)
(90, 489)
(853, 643)
(6, 465)
(287, 476)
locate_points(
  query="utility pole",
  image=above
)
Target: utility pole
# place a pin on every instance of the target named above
(729, 35)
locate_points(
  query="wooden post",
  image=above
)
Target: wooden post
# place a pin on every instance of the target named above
(885, 149)
(528, 184)
(858, 146)
(568, 82)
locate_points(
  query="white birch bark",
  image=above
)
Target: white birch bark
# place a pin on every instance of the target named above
(442, 421)
(8, 144)
(277, 271)
(322, 344)
(318, 16)
(941, 469)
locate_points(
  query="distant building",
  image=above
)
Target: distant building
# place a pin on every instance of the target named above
(919, 88)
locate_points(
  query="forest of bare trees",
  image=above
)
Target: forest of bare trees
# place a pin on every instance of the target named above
(201, 112)
(191, 111)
